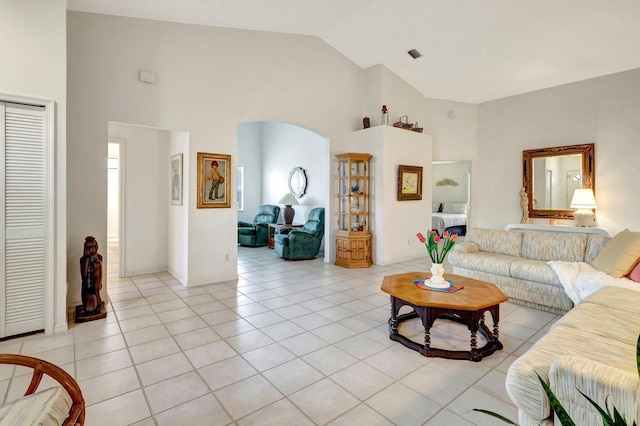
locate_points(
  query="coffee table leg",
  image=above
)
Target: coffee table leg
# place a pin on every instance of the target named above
(495, 313)
(393, 320)
(427, 339)
(473, 335)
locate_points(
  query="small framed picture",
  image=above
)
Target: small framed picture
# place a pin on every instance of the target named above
(409, 183)
(214, 182)
(176, 179)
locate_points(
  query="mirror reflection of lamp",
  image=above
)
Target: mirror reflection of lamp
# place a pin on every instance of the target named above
(584, 200)
(288, 213)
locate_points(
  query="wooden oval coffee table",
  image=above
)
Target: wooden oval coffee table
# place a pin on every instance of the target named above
(466, 306)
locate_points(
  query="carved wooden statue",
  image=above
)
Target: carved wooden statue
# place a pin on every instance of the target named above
(91, 271)
(524, 204)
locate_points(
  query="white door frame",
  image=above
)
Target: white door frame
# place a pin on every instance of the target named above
(122, 235)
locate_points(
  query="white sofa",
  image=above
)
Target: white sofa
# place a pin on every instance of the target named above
(591, 349)
(515, 261)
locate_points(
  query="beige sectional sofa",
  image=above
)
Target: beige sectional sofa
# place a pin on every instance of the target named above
(591, 349)
(515, 261)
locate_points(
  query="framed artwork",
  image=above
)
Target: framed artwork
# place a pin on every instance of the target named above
(409, 183)
(176, 179)
(214, 183)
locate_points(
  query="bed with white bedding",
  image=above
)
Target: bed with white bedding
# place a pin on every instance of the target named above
(446, 215)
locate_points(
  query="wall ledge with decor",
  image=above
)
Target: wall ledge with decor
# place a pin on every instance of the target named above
(556, 228)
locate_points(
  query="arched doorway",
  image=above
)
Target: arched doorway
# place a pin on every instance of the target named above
(267, 152)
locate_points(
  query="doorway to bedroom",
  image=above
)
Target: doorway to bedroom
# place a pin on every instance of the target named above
(451, 189)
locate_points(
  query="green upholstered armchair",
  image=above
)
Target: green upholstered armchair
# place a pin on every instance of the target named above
(256, 233)
(302, 243)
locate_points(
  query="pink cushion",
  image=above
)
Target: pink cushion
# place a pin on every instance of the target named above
(635, 273)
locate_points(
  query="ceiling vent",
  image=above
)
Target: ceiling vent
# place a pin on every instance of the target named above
(414, 54)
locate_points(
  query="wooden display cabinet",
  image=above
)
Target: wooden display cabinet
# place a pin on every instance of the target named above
(353, 240)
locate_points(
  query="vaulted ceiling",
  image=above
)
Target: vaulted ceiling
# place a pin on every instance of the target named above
(473, 50)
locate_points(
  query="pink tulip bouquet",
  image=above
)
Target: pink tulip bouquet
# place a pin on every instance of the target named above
(436, 246)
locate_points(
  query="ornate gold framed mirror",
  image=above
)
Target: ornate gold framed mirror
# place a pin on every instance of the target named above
(551, 175)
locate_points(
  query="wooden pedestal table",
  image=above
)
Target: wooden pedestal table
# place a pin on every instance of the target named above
(466, 306)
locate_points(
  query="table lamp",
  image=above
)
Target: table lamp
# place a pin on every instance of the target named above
(288, 213)
(584, 200)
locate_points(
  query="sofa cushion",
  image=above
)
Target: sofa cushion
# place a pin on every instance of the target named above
(499, 264)
(48, 407)
(534, 270)
(635, 274)
(623, 299)
(620, 254)
(496, 241)
(554, 246)
(595, 243)
(605, 323)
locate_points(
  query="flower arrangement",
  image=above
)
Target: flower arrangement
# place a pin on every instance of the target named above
(438, 251)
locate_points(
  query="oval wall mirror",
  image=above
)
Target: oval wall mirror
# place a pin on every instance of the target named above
(297, 182)
(551, 175)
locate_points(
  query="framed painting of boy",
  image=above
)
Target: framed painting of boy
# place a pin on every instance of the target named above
(214, 183)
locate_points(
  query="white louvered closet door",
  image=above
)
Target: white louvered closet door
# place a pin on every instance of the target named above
(22, 219)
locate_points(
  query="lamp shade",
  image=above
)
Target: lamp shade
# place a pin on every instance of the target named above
(289, 200)
(583, 199)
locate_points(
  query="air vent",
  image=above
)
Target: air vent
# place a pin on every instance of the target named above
(414, 54)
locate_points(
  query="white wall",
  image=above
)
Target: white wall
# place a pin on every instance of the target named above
(34, 58)
(205, 88)
(454, 135)
(286, 146)
(454, 127)
(457, 171)
(451, 125)
(394, 223)
(603, 110)
(146, 198)
(250, 157)
(178, 216)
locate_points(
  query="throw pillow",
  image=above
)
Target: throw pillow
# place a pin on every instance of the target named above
(620, 254)
(435, 207)
(635, 274)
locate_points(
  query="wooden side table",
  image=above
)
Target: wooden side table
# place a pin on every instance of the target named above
(274, 228)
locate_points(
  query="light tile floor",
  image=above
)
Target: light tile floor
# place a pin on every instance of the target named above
(289, 343)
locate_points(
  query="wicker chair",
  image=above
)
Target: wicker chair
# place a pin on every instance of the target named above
(14, 411)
